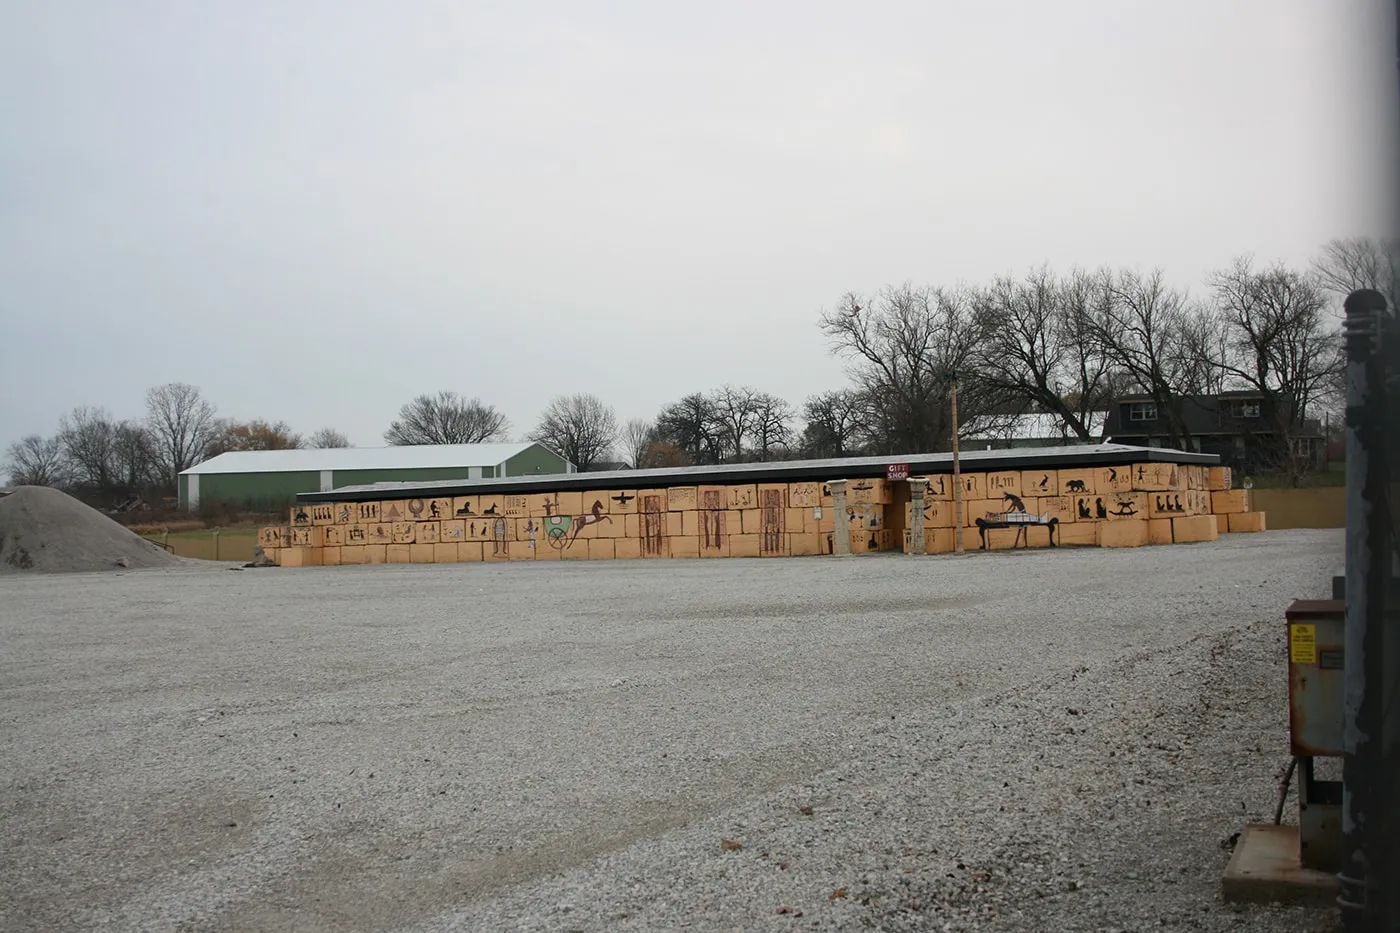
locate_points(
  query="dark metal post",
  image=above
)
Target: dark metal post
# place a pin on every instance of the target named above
(1365, 797)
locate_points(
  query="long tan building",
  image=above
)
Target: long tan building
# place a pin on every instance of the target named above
(1104, 496)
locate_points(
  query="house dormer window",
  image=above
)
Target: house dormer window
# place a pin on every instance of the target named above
(1142, 411)
(1244, 408)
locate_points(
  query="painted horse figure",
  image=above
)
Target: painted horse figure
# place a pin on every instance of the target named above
(595, 515)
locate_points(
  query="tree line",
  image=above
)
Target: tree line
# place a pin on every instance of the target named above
(1062, 344)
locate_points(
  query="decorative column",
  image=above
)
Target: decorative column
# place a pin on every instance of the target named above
(841, 535)
(916, 516)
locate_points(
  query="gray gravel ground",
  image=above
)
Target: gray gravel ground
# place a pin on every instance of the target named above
(1008, 742)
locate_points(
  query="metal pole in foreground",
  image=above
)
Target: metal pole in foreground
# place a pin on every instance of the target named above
(1363, 833)
(957, 477)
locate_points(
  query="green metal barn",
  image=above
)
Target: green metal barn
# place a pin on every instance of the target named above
(274, 477)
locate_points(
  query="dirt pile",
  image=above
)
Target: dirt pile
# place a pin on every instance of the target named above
(45, 530)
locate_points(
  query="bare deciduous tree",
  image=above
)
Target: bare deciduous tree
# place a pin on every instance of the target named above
(835, 423)
(446, 418)
(693, 426)
(89, 440)
(134, 456)
(1361, 262)
(579, 427)
(255, 435)
(327, 438)
(637, 435)
(735, 408)
(771, 431)
(182, 423)
(36, 461)
(1035, 346)
(1281, 343)
(905, 345)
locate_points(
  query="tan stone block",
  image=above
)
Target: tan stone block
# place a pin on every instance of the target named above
(404, 532)
(825, 517)
(974, 486)
(1158, 477)
(1159, 531)
(621, 501)
(577, 549)
(346, 513)
(367, 513)
(299, 516)
(305, 536)
(1191, 528)
(445, 553)
(398, 553)
(431, 509)
(1122, 534)
(743, 545)
(870, 541)
(376, 554)
(985, 509)
(292, 556)
(429, 532)
(673, 525)
(465, 507)
(869, 492)
(654, 545)
(750, 522)
(795, 520)
(1040, 483)
(1005, 481)
(1246, 522)
(613, 526)
(521, 550)
(379, 533)
(743, 496)
(274, 536)
(490, 506)
(1222, 524)
(937, 514)
(515, 505)
(1057, 507)
(714, 545)
(1077, 482)
(602, 549)
(570, 503)
(631, 526)
(421, 553)
(938, 487)
(545, 548)
(1227, 501)
(1218, 478)
(1165, 504)
(685, 546)
(452, 531)
(469, 551)
(1196, 477)
(682, 499)
(333, 535)
(1123, 506)
(628, 548)
(772, 495)
(939, 541)
(1079, 533)
(353, 554)
(804, 495)
(393, 510)
(1113, 479)
(1037, 536)
(804, 543)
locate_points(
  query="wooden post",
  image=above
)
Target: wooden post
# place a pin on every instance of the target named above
(957, 478)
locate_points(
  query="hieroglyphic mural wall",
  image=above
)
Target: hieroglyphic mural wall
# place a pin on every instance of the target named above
(1158, 503)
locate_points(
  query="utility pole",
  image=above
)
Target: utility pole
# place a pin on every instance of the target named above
(957, 473)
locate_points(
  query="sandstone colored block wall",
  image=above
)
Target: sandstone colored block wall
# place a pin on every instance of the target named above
(1121, 506)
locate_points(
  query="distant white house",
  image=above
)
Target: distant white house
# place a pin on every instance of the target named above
(274, 477)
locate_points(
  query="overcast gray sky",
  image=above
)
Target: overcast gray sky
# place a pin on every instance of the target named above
(316, 210)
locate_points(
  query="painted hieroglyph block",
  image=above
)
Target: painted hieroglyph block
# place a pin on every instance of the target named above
(322, 513)
(620, 501)
(974, 486)
(1077, 482)
(682, 499)
(1196, 476)
(1159, 531)
(429, 510)
(1229, 500)
(1158, 477)
(1246, 521)
(1166, 504)
(367, 512)
(985, 509)
(627, 548)
(1218, 478)
(333, 535)
(1057, 507)
(466, 507)
(489, 507)
(1040, 482)
(716, 524)
(422, 553)
(299, 516)
(394, 510)
(936, 514)
(1111, 479)
(772, 500)
(743, 496)
(428, 532)
(685, 546)
(938, 488)
(346, 513)
(868, 492)
(404, 532)
(714, 545)
(274, 536)
(804, 495)
(379, 533)
(355, 535)
(452, 531)
(1006, 481)
(1122, 534)
(1190, 528)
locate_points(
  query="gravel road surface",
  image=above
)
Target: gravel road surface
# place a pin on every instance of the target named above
(1031, 741)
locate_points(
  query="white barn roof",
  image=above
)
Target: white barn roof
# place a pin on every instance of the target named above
(424, 457)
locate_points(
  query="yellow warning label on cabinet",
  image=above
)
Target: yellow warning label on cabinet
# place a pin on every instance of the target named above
(1302, 643)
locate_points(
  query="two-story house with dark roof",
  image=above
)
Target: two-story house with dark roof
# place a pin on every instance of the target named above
(1240, 427)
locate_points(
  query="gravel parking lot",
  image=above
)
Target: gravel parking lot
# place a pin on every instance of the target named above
(1043, 740)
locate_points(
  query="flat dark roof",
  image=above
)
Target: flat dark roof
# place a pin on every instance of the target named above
(782, 471)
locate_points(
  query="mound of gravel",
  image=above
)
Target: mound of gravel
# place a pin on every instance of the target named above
(46, 530)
